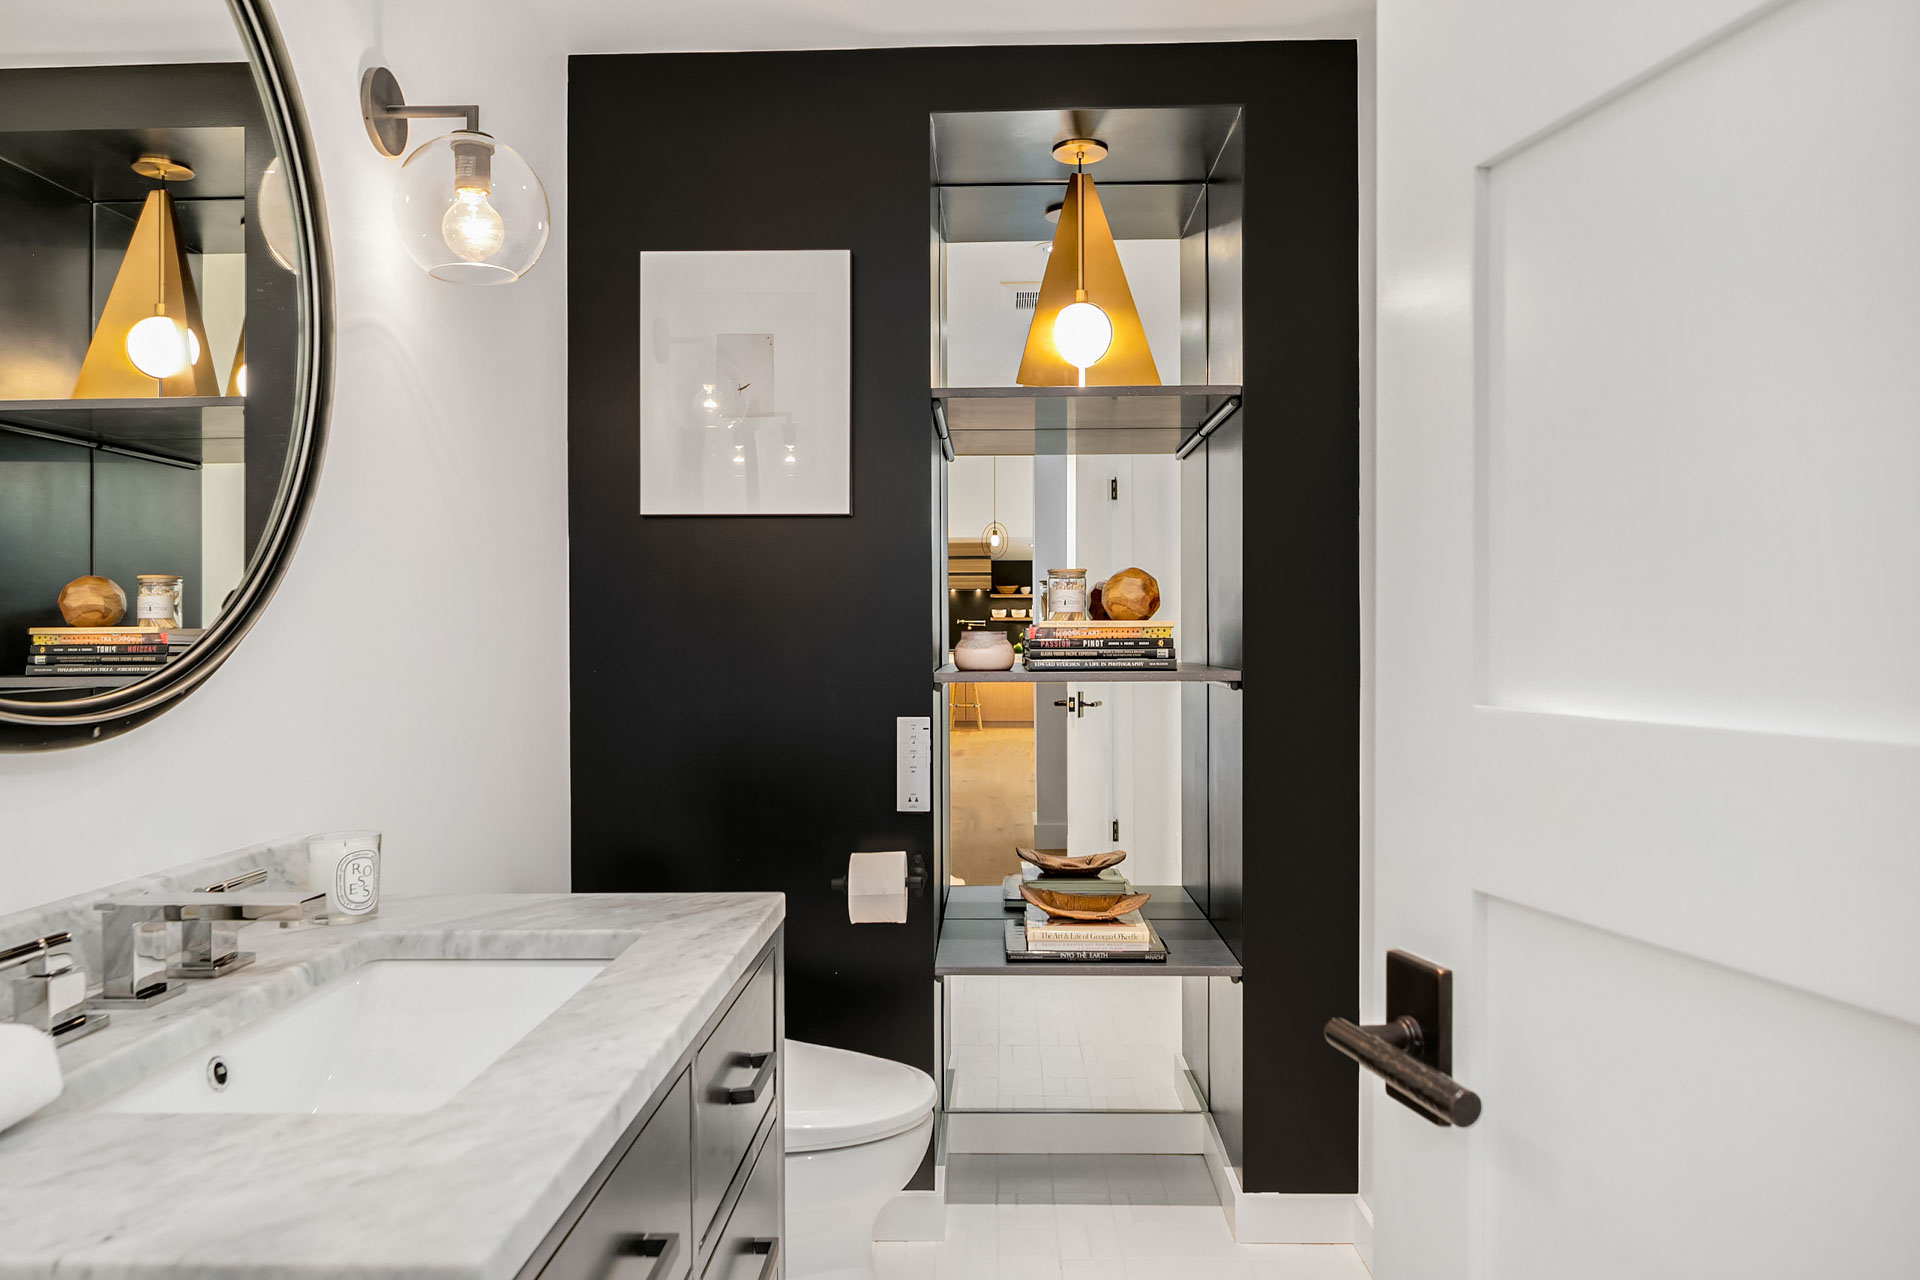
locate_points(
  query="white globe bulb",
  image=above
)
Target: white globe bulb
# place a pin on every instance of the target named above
(161, 348)
(1082, 333)
(471, 227)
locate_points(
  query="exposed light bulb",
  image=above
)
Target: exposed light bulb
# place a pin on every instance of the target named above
(159, 347)
(240, 379)
(1082, 333)
(993, 539)
(471, 227)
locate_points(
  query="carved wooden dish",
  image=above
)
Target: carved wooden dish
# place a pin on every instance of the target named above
(1059, 864)
(1090, 907)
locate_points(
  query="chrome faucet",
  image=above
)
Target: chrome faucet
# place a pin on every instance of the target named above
(137, 962)
(43, 986)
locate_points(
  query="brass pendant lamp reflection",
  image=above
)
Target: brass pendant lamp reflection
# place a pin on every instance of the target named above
(1086, 330)
(995, 538)
(150, 341)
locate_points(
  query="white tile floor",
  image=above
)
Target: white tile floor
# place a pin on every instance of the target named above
(1097, 1218)
(1093, 1043)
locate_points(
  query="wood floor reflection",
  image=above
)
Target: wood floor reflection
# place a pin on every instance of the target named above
(992, 800)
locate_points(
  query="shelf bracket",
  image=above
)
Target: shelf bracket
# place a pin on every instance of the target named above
(1213, 422)
(940, 430)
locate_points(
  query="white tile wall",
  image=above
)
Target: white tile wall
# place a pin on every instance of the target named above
(1097, 1218)
(1093, 1043)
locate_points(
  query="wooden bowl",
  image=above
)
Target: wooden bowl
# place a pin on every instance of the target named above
(1088, 864)
(1087, 907)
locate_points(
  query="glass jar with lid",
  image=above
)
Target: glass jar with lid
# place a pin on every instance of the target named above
(162, 601)
(1066, 592)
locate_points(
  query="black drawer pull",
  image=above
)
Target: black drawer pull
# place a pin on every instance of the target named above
(765, 1062)
(642, 1257)
(771, 1247)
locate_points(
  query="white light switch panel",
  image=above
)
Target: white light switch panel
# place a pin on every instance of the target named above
(913, 763)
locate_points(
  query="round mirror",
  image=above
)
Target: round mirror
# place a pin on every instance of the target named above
(164, 354)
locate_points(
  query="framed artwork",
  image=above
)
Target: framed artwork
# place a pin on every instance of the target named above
(745, 383)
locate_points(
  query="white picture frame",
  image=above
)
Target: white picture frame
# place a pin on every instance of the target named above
(746, 382)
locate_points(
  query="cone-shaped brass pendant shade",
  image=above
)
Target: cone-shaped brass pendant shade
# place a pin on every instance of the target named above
(1128, 362)
(154, 273)
(237, 380)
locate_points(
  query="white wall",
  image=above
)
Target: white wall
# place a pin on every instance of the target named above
(979, 489)
(411, 674)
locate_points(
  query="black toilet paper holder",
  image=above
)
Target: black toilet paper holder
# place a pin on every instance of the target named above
(916, 877)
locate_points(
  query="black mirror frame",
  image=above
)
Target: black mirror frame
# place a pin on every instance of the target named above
(27, 726)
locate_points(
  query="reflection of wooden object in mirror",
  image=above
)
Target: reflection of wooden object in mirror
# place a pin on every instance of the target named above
(92, 601)
(1132, 595)
(1097, 602)
(1059, 864)
(1090, 907)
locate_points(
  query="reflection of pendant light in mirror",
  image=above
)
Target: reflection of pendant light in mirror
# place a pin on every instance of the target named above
(237, 380)
(469, 209)
(276, 214)
(995, 537)
(150, 340)
(1085, 319)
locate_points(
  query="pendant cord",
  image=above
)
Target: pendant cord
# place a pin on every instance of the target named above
(1080, 222)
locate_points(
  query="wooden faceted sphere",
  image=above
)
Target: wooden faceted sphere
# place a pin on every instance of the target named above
(92, 602)
(1132, 595)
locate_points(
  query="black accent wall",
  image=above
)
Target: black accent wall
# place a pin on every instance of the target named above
(735, 680)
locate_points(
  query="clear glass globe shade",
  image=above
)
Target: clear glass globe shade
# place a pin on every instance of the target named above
(159, 347)
(488, 228)
(1082, 333)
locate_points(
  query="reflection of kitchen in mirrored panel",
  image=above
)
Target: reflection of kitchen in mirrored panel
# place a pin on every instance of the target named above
(148, 345)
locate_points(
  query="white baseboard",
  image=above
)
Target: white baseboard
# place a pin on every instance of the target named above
(1268, 1217)
(914, 1215)
(1173, 1133)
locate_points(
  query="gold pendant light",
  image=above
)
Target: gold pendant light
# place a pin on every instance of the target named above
(150, 341)
(1086, 330)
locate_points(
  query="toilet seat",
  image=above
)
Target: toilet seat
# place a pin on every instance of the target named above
(836, 1098)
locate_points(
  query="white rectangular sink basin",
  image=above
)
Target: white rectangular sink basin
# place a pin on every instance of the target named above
(392, 1036)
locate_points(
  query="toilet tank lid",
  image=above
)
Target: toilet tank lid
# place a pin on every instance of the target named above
(840, 1099)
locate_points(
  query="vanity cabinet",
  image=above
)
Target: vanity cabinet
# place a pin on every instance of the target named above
(694, 1187)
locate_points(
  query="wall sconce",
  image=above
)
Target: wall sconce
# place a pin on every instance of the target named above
(470, 210)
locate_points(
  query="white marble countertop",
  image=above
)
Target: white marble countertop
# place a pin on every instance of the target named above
(467, 1190)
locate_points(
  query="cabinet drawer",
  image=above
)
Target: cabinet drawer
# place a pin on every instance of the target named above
(638, 1226)
(735, 1078)
(749, 1246)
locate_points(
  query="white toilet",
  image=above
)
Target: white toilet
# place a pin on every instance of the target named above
(857, 1128)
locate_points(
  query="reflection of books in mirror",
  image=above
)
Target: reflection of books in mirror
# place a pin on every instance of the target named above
(1038, 662)
(1128, 933)
(1018, 949)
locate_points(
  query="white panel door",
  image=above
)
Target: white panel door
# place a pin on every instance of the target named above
(1648, 642)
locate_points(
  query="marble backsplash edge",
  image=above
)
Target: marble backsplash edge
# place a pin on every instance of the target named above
(284, 857)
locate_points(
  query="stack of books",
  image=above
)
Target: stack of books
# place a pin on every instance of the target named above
(1038, 937)
(1100, 646)
(104, 651)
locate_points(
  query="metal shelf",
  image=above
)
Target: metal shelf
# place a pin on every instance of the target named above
(180, 429)
(973, 932)
(1024, 421)
(1185, 673)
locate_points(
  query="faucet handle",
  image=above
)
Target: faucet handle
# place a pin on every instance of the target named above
(43, 986)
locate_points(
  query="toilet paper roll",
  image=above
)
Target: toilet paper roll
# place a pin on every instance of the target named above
(29, 1072)
(877, 887)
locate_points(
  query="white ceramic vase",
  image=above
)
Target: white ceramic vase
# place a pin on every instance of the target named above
(983, 650)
